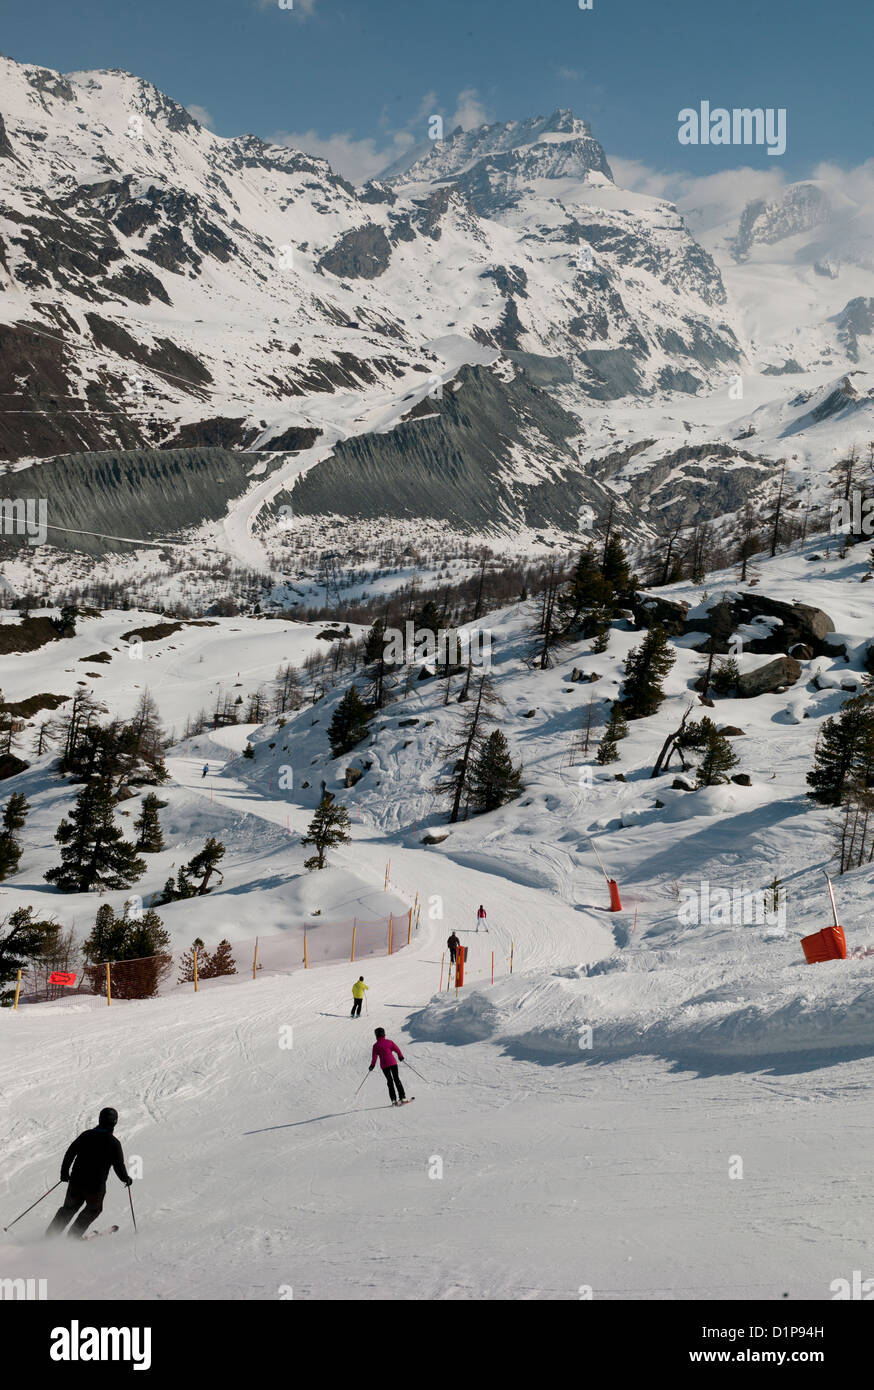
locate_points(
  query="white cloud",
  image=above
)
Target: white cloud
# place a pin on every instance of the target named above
(470, 112)
(713, 203)
(200, 114)
(568, 74)
(357, 160)
(707, 200)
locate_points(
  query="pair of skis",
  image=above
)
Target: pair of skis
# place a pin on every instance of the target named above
(92, 1235)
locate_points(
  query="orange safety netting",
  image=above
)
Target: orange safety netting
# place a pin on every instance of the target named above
(301, 946)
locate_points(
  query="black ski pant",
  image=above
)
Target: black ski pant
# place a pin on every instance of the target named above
(392, 1079)
(356, 1007)
(75, 1198)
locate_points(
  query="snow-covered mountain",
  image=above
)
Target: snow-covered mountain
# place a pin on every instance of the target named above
(161, 284)
(196, 328)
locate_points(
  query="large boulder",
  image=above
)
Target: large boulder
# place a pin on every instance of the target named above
(652, 611)
(770, 625)
(797, 623)
(775, 675)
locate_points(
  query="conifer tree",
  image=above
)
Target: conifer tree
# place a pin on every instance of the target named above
(94, 853)
(494, 779)
(587, 589)
(328, 827)
(150, 837)
(468, 745)
(349, 723)
(377, 666)
(718, 756)
(194, 877)
(616, 729)
(210, 964)
(13, 819)
(186, 964)
(22, 938)
(221, 960)
(599, 625)
(65, 625)
(844, 754)
(136, 945)
(725, 677)
(614, 566)
(428, 618)
(645, 669)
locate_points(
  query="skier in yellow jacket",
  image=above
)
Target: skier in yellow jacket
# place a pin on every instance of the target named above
(357, 995)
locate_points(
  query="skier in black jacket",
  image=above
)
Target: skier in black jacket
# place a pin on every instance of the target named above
(85, 1169)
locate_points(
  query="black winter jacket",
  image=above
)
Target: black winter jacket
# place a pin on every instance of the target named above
(89, 1158)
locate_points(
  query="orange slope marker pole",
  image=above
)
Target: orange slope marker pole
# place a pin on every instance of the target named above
(612, 885)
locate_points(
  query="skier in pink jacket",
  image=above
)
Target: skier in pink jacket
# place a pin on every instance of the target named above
(386, 1050)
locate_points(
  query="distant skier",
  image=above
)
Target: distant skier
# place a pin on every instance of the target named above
(481, 918)
(385, 1050)
(205, 769)
(453, 943)
(85, 1168)
(357, 995)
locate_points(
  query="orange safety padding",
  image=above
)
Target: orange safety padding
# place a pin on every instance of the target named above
(615, 900)
(828, 944)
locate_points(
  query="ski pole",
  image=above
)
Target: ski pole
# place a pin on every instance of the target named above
(131, 1200)
(32, 1205)
(366, 1074)
(413, 1070)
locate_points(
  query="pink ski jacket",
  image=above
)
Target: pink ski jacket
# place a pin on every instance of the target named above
(384, 1049)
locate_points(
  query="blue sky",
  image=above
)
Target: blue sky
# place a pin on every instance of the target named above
(357, 79)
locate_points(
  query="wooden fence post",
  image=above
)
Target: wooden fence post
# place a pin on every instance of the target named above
(17, 990)
(108, 987)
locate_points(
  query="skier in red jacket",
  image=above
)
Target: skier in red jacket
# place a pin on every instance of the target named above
(481, 917)
(386, 1050)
